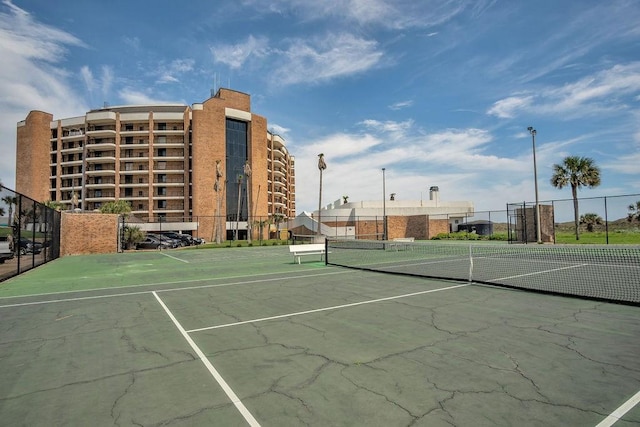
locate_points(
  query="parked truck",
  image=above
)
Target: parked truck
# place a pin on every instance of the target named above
(6, 250)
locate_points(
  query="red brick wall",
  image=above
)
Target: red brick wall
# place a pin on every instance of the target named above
(88, 233)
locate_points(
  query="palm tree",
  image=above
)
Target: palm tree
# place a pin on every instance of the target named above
(247, 173)
(119, 207)
(590, 220)
(53, 204)
(321, 166)
(132, 236)
(577, 172)
(634, 212)
(277, 218)
(10, 201)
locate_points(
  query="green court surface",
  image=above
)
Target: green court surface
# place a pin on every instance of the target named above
(244, 336)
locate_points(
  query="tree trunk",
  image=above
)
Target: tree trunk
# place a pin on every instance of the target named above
(576, 214)
(320, 205)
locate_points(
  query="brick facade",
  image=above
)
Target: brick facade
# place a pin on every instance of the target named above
(88, 233)
(161, 159)
(32, 156)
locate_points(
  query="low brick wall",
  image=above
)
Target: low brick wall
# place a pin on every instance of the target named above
(88, 233)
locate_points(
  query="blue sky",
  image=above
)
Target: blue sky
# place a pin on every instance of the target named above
(437, 92)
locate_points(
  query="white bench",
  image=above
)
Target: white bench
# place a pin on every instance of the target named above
(312, 249)
(400, 243)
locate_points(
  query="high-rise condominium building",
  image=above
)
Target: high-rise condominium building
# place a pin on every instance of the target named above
(172, 163)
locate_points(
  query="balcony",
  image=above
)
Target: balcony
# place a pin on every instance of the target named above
(134, 184)
(110, 170)
(72, 135)
(101, 117)
(101, 159)
(101, 133)
(77, 149)
(70, 163)
(101, 143)
(71, 175)
(104, 184)
(101, 199)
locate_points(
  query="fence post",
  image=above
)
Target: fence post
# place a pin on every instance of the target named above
(606, 221)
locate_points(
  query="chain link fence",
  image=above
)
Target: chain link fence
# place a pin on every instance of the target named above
(29, 233)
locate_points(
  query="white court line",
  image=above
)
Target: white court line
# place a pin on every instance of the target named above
(318, 310)
(619, 413)
(219, 285)
(538, 272)
(176, 258)
(160, 284)
(225, 387)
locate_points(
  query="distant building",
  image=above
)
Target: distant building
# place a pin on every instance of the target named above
(162, 160)
(421, 219)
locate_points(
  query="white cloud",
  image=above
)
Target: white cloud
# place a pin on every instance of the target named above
(236, 55)
(400, 105)
(135, 97)
(605, 91)
(399, 14)
(321, 59)
(170, 73)
(32, 77)
(507, 108)
(414, 161)
(279, 130)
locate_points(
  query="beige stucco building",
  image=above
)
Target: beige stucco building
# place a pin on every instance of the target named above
(162, 160)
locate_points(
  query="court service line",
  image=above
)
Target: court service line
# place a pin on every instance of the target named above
(318, 310)
(538, 272)
(42, 294)
(122, 294)
(176, 258)
(214, 372)
(619, 413)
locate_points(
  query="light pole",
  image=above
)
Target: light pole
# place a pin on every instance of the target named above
(533, 132)
(384, 207)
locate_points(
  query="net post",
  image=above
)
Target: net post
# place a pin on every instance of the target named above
(470, 264)
(326, 251)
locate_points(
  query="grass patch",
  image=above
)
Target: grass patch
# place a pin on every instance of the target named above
(618, 237)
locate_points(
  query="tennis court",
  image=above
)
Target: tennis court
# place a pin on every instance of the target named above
(246, 336)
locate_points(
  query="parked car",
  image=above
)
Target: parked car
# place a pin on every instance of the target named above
(153, 243)
(174, 243)
(29, 246)
(186, 239)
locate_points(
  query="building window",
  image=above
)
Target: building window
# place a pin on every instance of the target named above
(140, 207)
(162, 204)
(128, 166)
(162, 165)
(237, 154)
(128, 179)
(162, 191)
(128, 192)
(162, 177)
(98, 193)
(128, 139)
(162, 126)
(140, 194)
(162, 152)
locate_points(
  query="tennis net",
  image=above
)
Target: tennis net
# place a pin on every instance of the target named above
(610, 273)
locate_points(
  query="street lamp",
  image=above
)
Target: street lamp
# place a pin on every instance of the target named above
(384, 207)
(533, 132)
